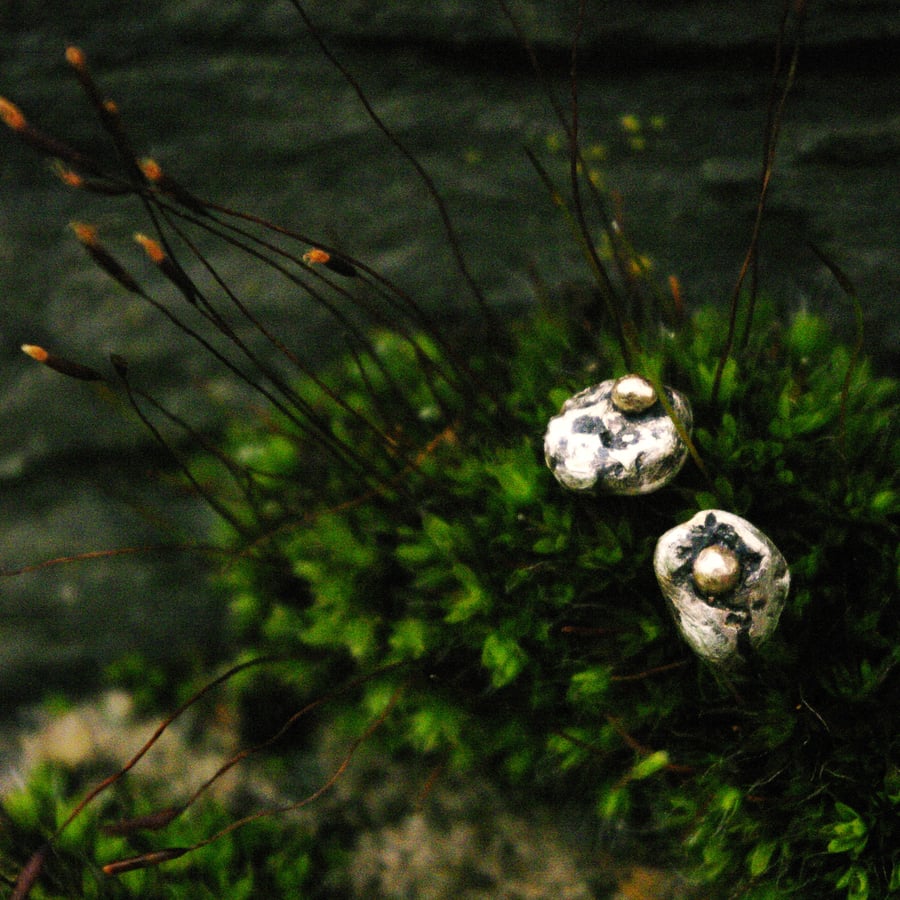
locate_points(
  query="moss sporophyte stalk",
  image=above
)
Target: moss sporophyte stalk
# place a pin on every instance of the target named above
(401, 564)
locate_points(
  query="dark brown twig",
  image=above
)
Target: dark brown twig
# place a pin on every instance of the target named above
(775, 115)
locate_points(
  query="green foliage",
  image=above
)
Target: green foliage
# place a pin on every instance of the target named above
(530, 626)
(850, 833)
(241, 866)
(494, 621)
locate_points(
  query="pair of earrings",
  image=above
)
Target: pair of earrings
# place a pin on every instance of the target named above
(725, 582)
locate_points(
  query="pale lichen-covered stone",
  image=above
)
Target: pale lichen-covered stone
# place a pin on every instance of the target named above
(629, 448)
(723, 611)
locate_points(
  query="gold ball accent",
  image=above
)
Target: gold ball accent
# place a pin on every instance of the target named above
(716, 570)
(633, 394)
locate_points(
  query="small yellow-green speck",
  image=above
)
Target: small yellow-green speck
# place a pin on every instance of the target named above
(554, 142)
(604, 247)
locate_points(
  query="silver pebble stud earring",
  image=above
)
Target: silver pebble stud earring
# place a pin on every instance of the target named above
(617, 438)
(726, 584)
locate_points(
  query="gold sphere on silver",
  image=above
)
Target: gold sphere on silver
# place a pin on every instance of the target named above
(716, 570)
(726, 584)
(616, 438)
(633, 394)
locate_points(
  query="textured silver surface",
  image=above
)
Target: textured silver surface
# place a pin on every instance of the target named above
(593, 445)
(722, 627)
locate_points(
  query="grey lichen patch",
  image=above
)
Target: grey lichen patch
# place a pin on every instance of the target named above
(726, 584)
(616, 437)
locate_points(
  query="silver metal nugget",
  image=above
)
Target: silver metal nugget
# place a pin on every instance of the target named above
(726, 584)
(615, 437)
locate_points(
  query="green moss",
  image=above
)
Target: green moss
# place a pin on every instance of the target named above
(504, 625)
(244, 866)
(530, 627)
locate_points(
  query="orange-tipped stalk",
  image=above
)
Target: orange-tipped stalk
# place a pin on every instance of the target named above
(321, 257)
(315, 256)
(154, 173)
(112, 122)
(89, 238)
(152, 170)
(35, 352)
(59, 364)
(168, 267)
(12, 116)
(75, 58)
(152, 248)
(78, 61)
(73, 179)
(68, 177)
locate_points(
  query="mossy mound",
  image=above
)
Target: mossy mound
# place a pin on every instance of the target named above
(519, 629)
(433, 591)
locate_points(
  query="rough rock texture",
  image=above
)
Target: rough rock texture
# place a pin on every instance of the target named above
(613, 30)
(656, 23)
(722, 628)
(464, 838)
(593, 445)
(864, 31)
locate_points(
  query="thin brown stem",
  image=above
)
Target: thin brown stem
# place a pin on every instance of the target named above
(161, 728)
(424, 176)
(156, 857)
(775, 116)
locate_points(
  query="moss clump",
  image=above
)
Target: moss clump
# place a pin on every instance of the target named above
(525, 627)
(243, 867)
